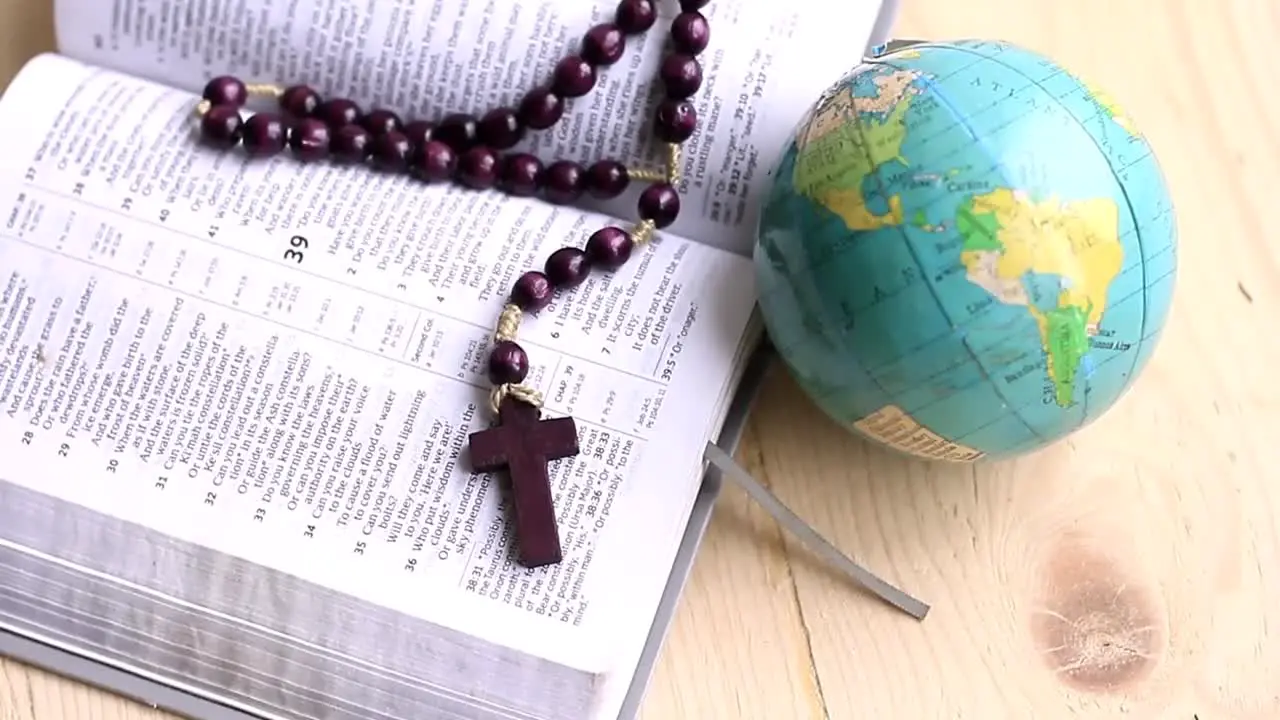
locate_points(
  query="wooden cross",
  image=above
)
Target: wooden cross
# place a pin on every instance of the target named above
(523, 445)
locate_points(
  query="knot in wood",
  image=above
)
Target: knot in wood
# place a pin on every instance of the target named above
(1098, 629)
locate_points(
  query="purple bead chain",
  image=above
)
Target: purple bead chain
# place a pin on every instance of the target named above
(470, 150)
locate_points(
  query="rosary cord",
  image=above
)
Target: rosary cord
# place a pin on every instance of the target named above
(508, 325)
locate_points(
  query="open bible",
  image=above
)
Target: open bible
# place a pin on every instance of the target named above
(236, 394)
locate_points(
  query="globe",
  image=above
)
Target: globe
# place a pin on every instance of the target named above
(966, 251)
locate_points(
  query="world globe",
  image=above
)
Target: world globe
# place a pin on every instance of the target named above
(966, 252)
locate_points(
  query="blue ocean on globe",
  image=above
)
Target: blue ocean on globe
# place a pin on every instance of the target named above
(967, 251)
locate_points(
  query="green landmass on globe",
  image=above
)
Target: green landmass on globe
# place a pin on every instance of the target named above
(940, 210)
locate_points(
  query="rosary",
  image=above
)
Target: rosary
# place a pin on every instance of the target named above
(466, 149)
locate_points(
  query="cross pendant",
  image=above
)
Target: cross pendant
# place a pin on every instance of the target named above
(523, 445)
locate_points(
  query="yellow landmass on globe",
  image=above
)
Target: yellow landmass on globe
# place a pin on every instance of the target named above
(847, 140)
(1008, 234)
(1111, 108)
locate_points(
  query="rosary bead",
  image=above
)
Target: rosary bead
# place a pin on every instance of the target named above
(660, 203)
(635, 16)
(693, 5)
(609, 248)
(299, 101)
(478, 168)
(380, 121)
(264, 134)
(681, 74)
(567, 267)
(390, 151)
(221, 127)
(532, 291)
(418, 132)
(338, 112)
(690, 33)
(603, 44)
(350, 143)
(574, 77)
(226, 90)
(433, 161)
(459, 131)
(521, 175)
(541, 108)
(501, 129)
(508, 363)
(607, 179)
(309, 139)
(674, 121)
(563, 182)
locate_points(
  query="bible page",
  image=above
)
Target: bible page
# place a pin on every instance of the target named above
(766, 64)
(283, 363)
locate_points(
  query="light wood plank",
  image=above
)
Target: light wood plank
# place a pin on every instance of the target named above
(1122, 571)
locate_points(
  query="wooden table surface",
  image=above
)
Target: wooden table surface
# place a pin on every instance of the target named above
(1133, 570)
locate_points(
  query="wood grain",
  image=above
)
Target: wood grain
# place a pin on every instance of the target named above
(1127, 571)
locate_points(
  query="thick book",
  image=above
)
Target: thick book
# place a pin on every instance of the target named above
(236, 393)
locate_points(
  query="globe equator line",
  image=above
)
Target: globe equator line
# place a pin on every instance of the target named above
(971, 432)
(942, 336)
(927, 405)
(1123, 191)
(1012, 408)
(971, 385)
(947, 334)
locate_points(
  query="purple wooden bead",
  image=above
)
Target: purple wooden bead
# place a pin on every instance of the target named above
(221, 127)
(226, 90)
(508, 363)
(567, 267)
(693, 5)
(350, 143)
(607, 179)
(299, 100)
(521, 174)
(309, 139)
(690, 33)
(478, 168)
(574, 77)
(390, 151)
(563, 182)
(609, 248)
(674, 121)
(418, 132)
(265, 134)
(380, 121)
(660, 203)
(604, 44)
(433, 161)
(682, 75)
(500, 128)
(541, 108)
(532, 291)
(459, 131)
(338, 112)
(635, 16)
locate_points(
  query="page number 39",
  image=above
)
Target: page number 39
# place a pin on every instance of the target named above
(297, 244)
